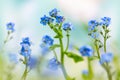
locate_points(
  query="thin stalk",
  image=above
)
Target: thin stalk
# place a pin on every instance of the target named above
(107, 65)
(108, 72)
(55, 54)
(62, 50)
(24, 76)
(62, 60)
(58, 32)
(105, 38)
(90, 70)
(97, 49)
(67, 41)
(7, 38)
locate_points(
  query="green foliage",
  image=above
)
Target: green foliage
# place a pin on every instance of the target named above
(54, 46)
(74, 56)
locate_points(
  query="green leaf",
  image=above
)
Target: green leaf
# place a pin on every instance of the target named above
(57, 36)
(74, 56)
(54, 46)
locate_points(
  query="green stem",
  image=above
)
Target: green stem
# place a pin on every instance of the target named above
(26, 70)
(7, 38)
(62, 50)
(107, 65)
(90, 70)
(59, 33)
(108, 72)
(105, 42)
(25, 74)
(62, 60)
(97, 49)
(67, 41)
(5, 41)
(55, 54)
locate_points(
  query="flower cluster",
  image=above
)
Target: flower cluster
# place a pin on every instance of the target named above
(46, 20)
(25, 47)
(93, 26)
(57, 24)
(25, 51)
(54, 16)
(105, 21)
(95, 32)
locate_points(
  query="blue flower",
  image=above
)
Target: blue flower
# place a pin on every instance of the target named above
(53, 13)
(25, 41)
(25, 47)
(25, 51)
(105, 21)
(106, 57)
(47, 40)
(92, 24)
(44, 49)
(53, 64)
(10, 26)
(95, 35)
(85, 72)
(46, 20)
(67, 26)
(86, 51)
(13, 58)
(59, 19)
(32, 62)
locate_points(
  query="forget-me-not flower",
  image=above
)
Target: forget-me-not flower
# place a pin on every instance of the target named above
(86, 51)
(106, 57)
(10, 26)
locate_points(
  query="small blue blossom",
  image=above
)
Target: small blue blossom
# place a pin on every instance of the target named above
(25, 51)
(105, 21)
(25, 41)
(86, 51)
(46, 20)
(13, 58)
(95, 35)
(85, 72)
(53, 13)
(67, 26)
(32, 62)
(47, 40)
(92, 24)
(44, 49)
(53, 64)
(106, 57)
(10, 26)
(59, 19)
(25, 47)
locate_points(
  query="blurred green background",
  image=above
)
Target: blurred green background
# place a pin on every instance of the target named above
(26, 16)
